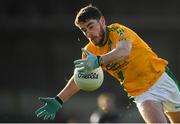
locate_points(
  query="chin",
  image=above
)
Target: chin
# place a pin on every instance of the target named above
(97, 44)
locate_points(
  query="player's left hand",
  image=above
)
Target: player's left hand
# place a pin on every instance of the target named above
(87, 64)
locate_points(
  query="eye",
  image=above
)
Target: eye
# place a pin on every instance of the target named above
(91, 26)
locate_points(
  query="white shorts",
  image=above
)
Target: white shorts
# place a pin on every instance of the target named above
(165, 91)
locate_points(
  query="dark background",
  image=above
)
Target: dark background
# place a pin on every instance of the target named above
(39, 43)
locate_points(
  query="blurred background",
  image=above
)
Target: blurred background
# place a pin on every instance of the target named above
(39, 43)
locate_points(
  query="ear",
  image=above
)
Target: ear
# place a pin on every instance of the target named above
(103, 21)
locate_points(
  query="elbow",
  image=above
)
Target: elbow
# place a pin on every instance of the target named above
(127, 49)
(124, 52)
(127, 52)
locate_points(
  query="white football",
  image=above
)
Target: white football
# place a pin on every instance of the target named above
(89, 81)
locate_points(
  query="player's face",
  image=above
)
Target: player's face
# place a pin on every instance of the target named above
(94, 30)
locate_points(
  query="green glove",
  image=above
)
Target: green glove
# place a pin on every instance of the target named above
(48, 111)
(89, 63)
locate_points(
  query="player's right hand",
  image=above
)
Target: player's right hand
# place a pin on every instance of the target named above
(48, 111)
(89, 63)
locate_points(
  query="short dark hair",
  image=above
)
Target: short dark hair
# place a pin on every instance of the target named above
(87, 13)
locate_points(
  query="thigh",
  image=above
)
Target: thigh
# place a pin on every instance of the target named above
(152, 112)
(174, 117)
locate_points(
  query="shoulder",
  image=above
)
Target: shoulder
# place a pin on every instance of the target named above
(122, 31)
(115, 26)
(95, 117)
(118, 27)
(116, 31)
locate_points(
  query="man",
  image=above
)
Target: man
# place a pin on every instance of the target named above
(124, 55)
(107, 110)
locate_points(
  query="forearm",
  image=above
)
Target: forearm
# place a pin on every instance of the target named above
(113, 56)
(53, 104)
(69, 90)
(120, 53)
